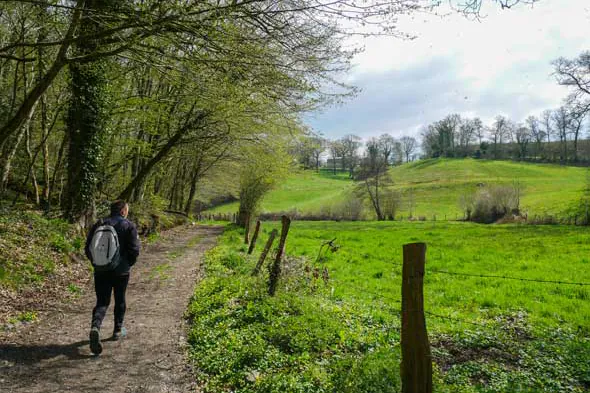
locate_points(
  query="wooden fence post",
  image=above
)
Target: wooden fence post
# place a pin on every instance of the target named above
(416, 367)
(275, 270)
(254, 238)
(247, 229)
(267, 247)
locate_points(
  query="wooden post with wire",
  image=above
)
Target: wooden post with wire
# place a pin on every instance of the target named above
(275, 270)
(247, 231)
(254, 238)
(271, 239)
(416, 365)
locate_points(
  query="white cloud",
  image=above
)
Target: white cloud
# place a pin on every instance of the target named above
(501, 64)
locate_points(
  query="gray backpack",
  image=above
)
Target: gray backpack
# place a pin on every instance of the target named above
(104, 248)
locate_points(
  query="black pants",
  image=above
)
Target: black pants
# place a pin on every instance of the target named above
(104, 284)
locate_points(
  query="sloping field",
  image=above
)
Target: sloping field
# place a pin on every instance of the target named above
(438, 184)
(306, 191)
(433, 188)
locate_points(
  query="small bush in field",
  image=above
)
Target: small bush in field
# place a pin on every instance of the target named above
(493, 203)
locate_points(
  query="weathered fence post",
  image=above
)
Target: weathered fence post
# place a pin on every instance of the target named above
(416, 367)
(247, 229)
(275, 270)
(254, 238)
(267, 247)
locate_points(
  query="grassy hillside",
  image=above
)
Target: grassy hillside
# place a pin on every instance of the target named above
(438, 184)
(306, 191)
(433, 187)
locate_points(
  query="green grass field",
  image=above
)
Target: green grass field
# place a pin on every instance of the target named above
(306, 191)
(436, 186)
(487, 334)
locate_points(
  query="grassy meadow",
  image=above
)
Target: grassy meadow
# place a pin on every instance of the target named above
(305, 191)
(433, 188)
(487, 334)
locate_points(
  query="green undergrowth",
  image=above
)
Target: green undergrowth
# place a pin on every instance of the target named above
(31, 246)
(342, 335)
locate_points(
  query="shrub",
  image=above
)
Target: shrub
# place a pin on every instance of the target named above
(390, 202)
(351, 209)
(493, 203)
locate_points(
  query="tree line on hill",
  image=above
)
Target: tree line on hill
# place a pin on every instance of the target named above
(348, 153)
(556, 135)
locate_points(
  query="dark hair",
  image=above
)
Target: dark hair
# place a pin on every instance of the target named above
(117, 206)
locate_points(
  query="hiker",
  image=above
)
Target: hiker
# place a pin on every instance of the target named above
(112, 246)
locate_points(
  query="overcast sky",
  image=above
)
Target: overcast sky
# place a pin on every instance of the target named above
(499, 65)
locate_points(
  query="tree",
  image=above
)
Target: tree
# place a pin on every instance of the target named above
(350, 145)
(309, 149)
(522, 135)
(373, 177)
(336, 152)
(479, 129)
(262, 169)
(562, 121)
(408, 145)
(498, 132)
(87, 119)
(575, 74)
(438, 139)
(466, 134)
(537, 134)
(391, 148)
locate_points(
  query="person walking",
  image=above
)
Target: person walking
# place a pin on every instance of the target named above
(112, 245)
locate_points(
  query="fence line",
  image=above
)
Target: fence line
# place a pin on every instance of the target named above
(502, 277)
(509, 278)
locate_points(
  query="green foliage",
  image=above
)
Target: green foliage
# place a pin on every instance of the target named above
(31, 246)
(344, 337)
(74, 289)
(246, 341)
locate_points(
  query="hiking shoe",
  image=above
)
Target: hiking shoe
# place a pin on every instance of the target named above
(119, 333)
(95, 345)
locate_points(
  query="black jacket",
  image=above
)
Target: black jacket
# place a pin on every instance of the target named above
(128, 241)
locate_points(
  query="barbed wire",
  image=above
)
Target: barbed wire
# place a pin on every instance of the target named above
(508, 278)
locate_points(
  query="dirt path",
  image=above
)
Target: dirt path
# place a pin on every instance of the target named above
(54, 356)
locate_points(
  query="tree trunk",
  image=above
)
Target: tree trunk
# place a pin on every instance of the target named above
(193, 188)
(57, 168)
(32, 163)
(173, 141)
(7, 162)
(86, 122)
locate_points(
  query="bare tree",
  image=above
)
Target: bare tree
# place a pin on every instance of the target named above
(466, 134)
(350, 145)
(522, 136)
(479, 129)
(562, 122)
(498, 133)
(575, 74)
(336, 152)
(537, 134)
(409, 145)
(390, 148)
(373, 176)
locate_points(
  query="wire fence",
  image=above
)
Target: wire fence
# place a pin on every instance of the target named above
(388, 300)
(580, 219)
